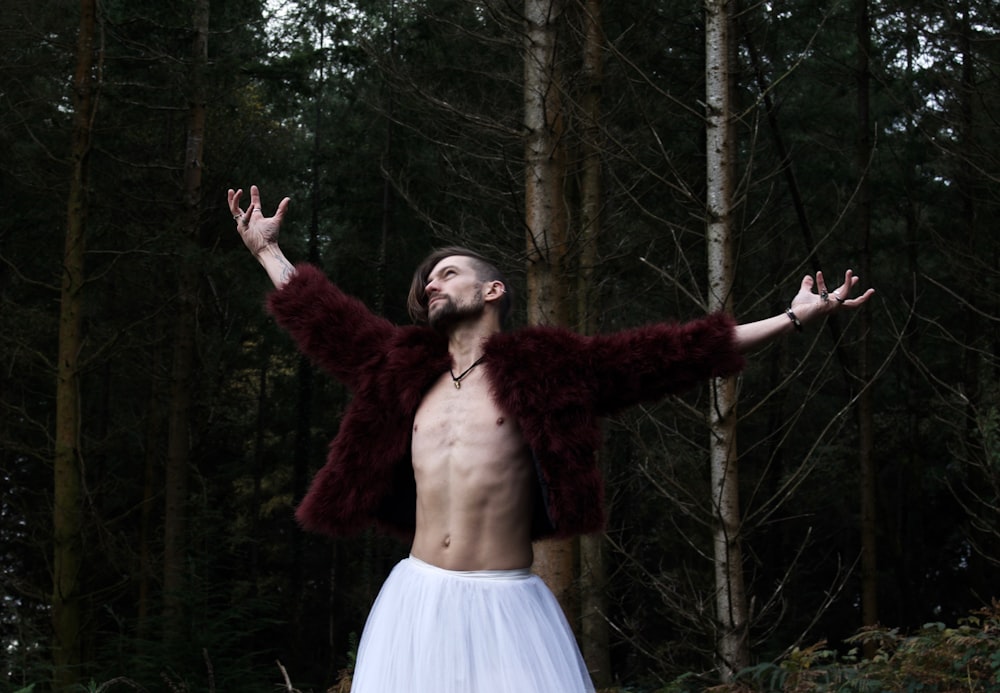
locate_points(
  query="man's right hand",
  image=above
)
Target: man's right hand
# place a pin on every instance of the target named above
(258, 232)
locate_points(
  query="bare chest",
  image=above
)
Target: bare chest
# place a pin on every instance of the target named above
(455, 424)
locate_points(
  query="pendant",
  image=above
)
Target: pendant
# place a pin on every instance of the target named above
(458, 384)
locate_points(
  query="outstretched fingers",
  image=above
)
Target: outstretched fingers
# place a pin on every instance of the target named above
(807, 284)
(815, 296)
(255, 204)
(279, 213)
(233, 196)
(843, 292)
(254, 200)
(821, 289)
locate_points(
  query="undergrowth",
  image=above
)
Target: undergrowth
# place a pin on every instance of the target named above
(935, 659)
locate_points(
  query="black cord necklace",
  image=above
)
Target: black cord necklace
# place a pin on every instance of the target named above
(457, 379)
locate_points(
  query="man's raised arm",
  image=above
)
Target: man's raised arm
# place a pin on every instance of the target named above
(260, 234)
(807, 306)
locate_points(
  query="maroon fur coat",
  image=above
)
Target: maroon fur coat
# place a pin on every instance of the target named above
(555, 383)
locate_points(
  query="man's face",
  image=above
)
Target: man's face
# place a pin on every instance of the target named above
(454, 293)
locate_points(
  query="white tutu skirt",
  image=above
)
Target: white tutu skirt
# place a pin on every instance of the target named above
(441, 631)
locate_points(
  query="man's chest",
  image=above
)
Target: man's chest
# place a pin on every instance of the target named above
(450, 418)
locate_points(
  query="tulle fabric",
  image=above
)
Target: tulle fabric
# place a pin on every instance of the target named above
(439, 631)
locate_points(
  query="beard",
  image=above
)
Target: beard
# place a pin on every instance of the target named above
(447, 313)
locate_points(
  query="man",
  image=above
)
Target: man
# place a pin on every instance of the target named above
(473, 442)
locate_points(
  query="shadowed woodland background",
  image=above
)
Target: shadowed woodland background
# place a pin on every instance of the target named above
(156, 429)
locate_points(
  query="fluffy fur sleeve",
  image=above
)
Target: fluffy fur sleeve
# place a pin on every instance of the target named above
(650, 362)
(552, 368)
(335, 330)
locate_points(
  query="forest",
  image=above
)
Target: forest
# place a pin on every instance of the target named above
(625, 163)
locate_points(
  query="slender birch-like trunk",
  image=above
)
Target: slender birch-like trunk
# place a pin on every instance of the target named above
(67, 499)
(732, 646)
(865, 412)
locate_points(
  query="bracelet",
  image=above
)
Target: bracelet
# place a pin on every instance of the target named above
(794, 318)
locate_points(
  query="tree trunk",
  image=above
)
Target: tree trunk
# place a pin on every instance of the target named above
(178, 439)
(67, 531)
(916, 405)
(388, 197)
(545, 204)
(306, 372)
(869, 567)
(594, 634)
(152, 461)
(545, 220)
(732, 646)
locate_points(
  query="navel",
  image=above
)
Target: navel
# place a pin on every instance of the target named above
(446, 542)
(500, 421)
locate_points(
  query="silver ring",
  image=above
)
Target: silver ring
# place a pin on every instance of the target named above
(237, 217)
(837, 296)
(824, 296)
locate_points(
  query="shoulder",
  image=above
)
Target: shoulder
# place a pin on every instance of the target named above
(541, 366)
(536, 341)
(415, 343)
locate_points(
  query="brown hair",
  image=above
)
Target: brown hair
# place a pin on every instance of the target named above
(486, 271)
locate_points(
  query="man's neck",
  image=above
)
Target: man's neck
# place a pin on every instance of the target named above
(466, 340)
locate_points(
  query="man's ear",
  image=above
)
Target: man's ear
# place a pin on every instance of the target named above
(494, 291)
